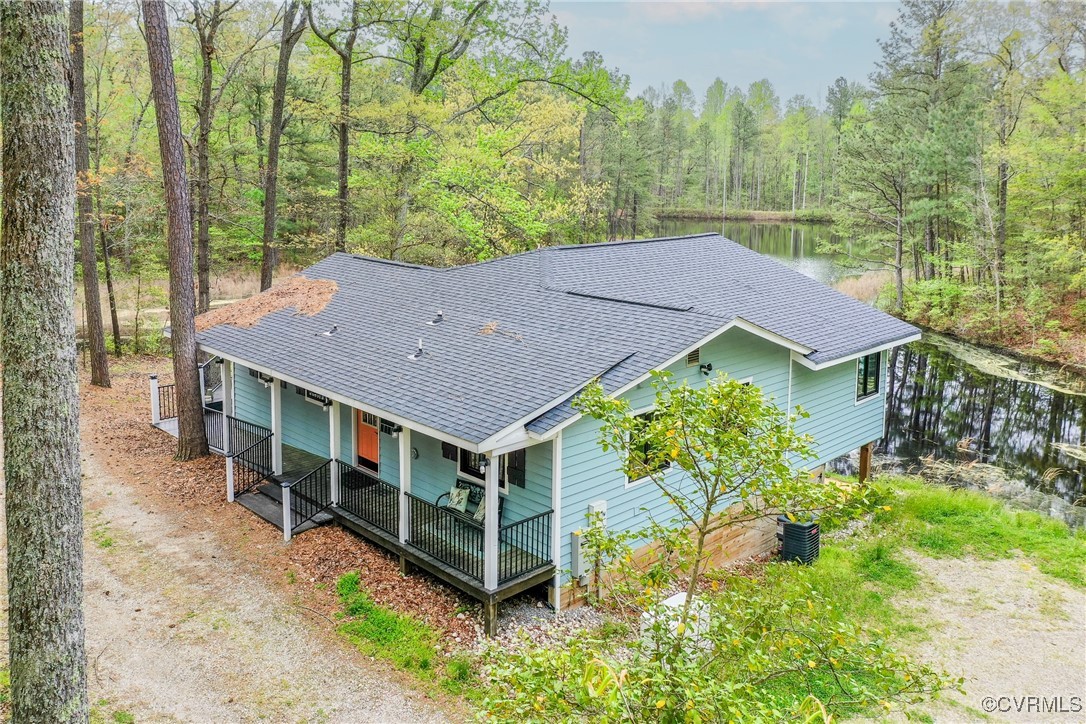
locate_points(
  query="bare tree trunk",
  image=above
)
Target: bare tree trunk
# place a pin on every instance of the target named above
(346, 62)
(37, 351)
(88, 259)
(899, 250)
(291, 34)
(191, 438)
(113, 318)
(206, 33)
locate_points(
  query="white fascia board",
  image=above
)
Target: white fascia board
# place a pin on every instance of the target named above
(402, 421)
(848, 358)
(517, 427)
(737, 323)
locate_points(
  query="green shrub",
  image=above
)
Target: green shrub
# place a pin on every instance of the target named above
(773, 650)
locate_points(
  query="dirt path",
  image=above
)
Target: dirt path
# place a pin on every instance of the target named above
(181, 628)
(1011, 631)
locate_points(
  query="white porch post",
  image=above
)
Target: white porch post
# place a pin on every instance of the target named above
(556, 519)
(228, 387)
(405, 482)
(229, 479)
(156, 401)
(334, 448)
(490, 525)
(277, 429)
(203, 385)
(286, 514)
(227, 413)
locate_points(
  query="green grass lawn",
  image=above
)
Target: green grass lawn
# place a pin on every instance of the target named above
(860, 575)
(865, 571)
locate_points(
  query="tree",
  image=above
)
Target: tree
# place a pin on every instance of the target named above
(37, 349)
(88, 258)
(345, 50)
(291, 34)
(876, 168)
(191, 436)
(207, 21)
(730, 456)
(736, 652)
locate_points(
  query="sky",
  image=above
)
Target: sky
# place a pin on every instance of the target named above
(801, 47)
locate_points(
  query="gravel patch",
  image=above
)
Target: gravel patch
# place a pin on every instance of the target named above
(1010, 630)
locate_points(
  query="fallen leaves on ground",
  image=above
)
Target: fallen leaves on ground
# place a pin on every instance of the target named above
(117, 432)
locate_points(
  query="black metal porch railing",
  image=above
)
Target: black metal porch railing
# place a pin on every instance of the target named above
(211, 373)
(369, 498)
(167, 402)
(251, 451)
(449, 538)
(245, 434)
(309, 495)
(525, 546)
(213, 427)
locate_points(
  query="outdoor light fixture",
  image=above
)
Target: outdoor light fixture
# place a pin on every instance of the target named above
(707, 368)
(484, 462)
(396, 430)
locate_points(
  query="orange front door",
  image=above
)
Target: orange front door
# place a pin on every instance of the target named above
(368, 442)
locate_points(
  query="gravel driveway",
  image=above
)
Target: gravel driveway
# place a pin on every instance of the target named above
(180, 628)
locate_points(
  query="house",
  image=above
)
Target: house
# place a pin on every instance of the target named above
(380, 389)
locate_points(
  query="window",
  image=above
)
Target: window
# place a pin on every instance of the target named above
(511, 468)
(647, 459)
(868, 371)
(471, 464)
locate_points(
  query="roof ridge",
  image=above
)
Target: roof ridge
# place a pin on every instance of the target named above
(626, 242)
(378, 260)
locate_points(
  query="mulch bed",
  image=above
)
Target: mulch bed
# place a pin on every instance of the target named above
(118, 434)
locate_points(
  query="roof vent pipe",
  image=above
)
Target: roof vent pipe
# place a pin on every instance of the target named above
(417, 353)
(438, 319)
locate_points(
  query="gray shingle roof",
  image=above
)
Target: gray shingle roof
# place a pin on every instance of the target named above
(560, 316)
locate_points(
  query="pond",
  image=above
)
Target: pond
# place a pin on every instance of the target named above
(961, 403)
(948, 399)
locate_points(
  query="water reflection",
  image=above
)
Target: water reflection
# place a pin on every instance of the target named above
(939, 404)
(796, 245)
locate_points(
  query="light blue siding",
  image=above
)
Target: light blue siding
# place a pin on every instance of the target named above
(346, 434)
(589, 474)
(252, 400)
(305, 424)
(535, 496)
(432, 475)
(388, 466)
(837, 422)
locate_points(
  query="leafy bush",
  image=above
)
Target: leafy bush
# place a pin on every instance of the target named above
(772, 651)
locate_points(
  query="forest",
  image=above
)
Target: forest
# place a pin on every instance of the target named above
(448, 132)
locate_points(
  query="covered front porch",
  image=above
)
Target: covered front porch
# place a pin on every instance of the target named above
(299, 460)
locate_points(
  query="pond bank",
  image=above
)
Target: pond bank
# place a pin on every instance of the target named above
(1059, 339)
(807, 216)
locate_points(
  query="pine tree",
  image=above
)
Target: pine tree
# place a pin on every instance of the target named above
(37, 350)
(191, 436)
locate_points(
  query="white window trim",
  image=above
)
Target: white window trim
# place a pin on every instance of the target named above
(645, 478)
(882, 382)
